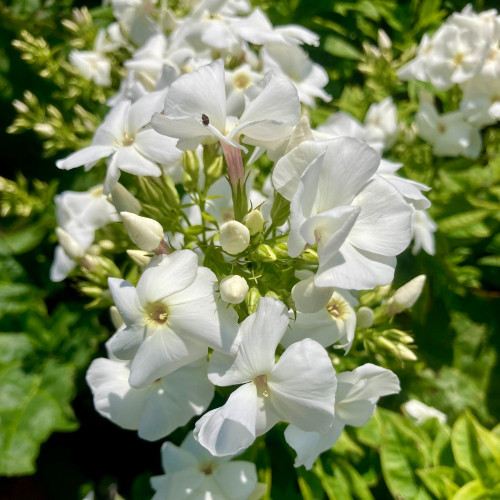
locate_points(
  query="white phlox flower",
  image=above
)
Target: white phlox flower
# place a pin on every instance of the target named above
(333, 323)
(357, 219)
(135, 18)
(422, 412)
(195, 110)
(357, 395)
(237, 81)
(381, 123)
(124, 140)
(293, 62)
(192, 472)
(171, 318)
(80, 214)
(93, 64)
(480, 102)
(449, 133)
(299, 388)
(155, 410)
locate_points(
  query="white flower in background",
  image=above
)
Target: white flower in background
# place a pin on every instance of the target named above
(155, 410)
(123, 139)
(135, 18)
(293, 62)
(480, 102)
(449, 133)
(92, 65)
(357, 395)
(171, 318)
(257, 29)
(299, 388)
(421, 412)
(357, 219)
(334, 323)
(406, 296)
(80, 214)
(191, 472)
(381, 123)
(195, 110)
(423, 229)
(416, 68)
(237, 81)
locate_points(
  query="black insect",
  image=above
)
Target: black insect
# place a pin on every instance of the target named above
(205, 120)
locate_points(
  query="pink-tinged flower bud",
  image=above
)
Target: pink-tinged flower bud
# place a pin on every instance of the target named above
(234, 237)
(233, 289)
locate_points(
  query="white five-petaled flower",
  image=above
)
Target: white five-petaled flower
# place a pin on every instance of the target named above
(79, 214)
(156, 410)
(124, 140)
(171, 318)
(299, 388)
(192, 472)
(358, 220)
(356, 400)
(195, 110)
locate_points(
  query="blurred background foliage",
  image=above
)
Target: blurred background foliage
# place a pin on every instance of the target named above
(48, 336)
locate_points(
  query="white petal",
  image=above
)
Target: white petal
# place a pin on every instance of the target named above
(384, 223)
(355, 269)
(236, 479)
(126, 300)
(289, 169)
(61, 266)
(260, 334)
(112, 176)
(143, 109)
(302, 386)
(162, 353)
(113, 397)
(174, 400)
(309, 445)
(128, 159)
(174, 458)
(310, 298)
(126, 341)
(85, 156)
(157, 147)
(171, 274)
(231, 428)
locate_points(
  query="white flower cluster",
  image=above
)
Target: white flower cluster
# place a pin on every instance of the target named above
(464, 51)
(184, 326)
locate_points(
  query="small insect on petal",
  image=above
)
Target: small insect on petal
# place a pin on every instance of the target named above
(205, 120)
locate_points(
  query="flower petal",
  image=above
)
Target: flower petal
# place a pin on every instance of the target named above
(126, 300)
(302, 386)
(84, 156)
(231, 428)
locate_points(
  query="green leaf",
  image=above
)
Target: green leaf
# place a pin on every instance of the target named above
(14, 346)
(17, 298)
(474, 490)
(440, 481)
(490, 260)
(32, 406)
(465, 446)
(459, 222)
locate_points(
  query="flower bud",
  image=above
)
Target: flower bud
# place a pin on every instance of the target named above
(233, 289)
(71, 247)
(254, 221)
(234, 237)
(252, 299)
(140, 257)
(364, 317)
(384, 42)
(266, 253)
(124, 201)
(146, 233)
(406, 296)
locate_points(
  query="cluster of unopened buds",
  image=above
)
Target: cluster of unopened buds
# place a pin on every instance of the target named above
(255, 280)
